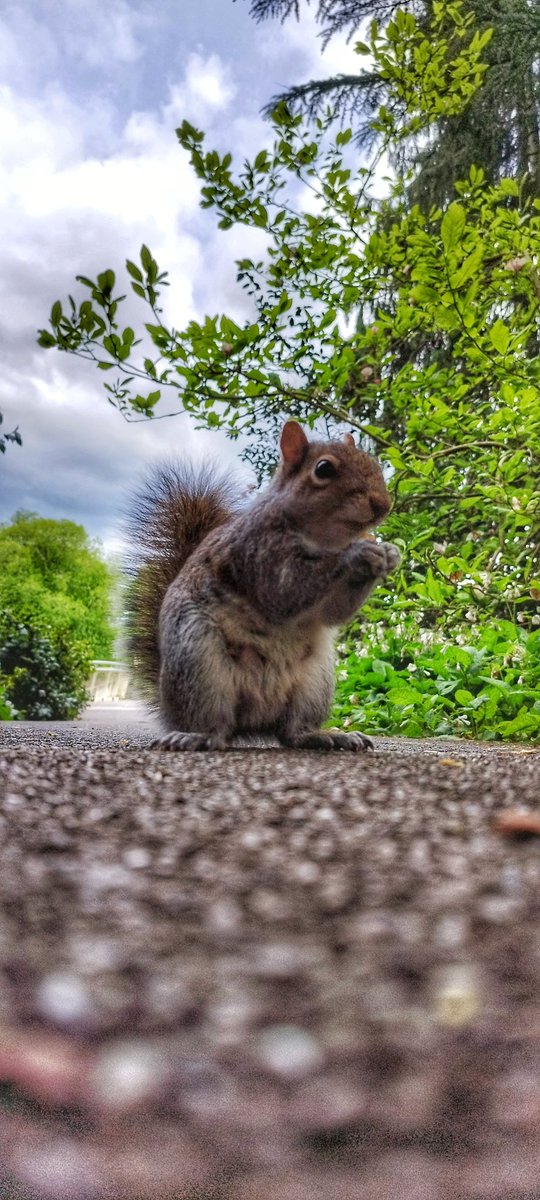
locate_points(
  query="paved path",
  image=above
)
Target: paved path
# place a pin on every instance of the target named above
(129, 723)
(264, 975)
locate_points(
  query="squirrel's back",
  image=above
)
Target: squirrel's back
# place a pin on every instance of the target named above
(176, 507)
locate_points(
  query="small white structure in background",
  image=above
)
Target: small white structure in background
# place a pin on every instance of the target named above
(109, 681)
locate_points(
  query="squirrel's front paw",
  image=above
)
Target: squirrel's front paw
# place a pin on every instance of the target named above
(373, 560)
(393, 557)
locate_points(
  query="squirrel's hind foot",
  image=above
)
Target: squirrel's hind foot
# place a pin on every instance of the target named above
(176, 740)
(328, 739)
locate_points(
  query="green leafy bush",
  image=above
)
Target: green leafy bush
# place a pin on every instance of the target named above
(54, 617)
(7, 711)
(43, 676)
(414, 683)
(54, 577)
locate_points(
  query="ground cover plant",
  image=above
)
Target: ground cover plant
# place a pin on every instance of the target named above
(415, 326)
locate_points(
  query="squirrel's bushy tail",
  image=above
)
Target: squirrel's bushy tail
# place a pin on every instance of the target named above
(176, 507)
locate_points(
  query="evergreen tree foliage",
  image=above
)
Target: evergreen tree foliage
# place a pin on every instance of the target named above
(499, 130)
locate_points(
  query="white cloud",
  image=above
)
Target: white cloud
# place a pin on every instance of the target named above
(302, 40)
(79, 458)
(90, 168)
(64, 210)
(207, 88)
(102, 32)
(19, 33)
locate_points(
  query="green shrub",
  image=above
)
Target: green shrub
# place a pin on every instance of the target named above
(7, 711)
(52, 576)
(416, 683)
(43, 675)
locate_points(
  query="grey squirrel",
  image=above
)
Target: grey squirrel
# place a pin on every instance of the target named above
(234, 611)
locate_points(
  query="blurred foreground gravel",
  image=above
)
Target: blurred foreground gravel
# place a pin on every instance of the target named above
(264, 975)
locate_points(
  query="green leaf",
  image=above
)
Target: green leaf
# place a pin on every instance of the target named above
(134, 271)
(509, 187)
(46, 339)
(106, 281)
(404, 695)
(453, 225)
(468, 268)
(500, 336)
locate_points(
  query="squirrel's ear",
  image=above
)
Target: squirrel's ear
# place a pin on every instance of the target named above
(293, 443)
(348, 439)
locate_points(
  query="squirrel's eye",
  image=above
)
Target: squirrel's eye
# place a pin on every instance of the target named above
(325, 469)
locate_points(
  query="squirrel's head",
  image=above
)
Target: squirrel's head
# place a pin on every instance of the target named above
(335, 491)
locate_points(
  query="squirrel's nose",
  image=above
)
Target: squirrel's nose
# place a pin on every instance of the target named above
(380, 504)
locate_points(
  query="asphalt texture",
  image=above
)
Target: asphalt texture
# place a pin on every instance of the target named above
(267, 975)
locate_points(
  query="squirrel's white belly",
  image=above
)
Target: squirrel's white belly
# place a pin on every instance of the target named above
(268, 666)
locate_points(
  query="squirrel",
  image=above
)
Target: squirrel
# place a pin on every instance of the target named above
(234, 611)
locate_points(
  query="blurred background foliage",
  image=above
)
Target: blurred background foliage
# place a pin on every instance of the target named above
(55, 604)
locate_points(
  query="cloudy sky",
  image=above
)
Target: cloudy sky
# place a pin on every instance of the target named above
(90, 94)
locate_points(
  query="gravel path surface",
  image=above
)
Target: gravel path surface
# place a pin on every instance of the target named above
(263, 975)
(120, 727)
